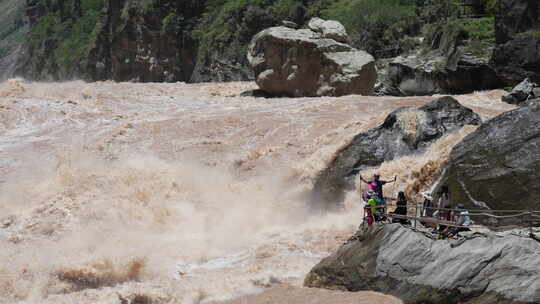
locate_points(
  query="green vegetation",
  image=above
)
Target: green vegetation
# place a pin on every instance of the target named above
(481, 35)
(375, 25)
(476, 35)
(61, 40)
(72, 37)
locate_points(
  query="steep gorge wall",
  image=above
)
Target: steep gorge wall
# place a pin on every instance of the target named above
(517, 54)
(140, 40)
(206, 40)
(12, 32)
(147, 40)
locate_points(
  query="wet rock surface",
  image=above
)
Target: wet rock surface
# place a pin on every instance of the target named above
(498, 165)
(482, 268)
(523, 92)
(308, 62)
(405, 131)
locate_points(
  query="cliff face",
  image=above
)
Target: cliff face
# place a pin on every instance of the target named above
(206, 40)
(111, 39)
(517, 54)
(12, 32)
(146, 40)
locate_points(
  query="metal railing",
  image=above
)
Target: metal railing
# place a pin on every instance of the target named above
(418, 213)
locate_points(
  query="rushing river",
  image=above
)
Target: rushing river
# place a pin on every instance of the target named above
(177, 193)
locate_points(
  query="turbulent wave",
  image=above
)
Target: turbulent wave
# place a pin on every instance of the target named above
(176, 193)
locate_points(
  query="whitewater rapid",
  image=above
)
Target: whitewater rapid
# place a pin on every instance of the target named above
(177, 193)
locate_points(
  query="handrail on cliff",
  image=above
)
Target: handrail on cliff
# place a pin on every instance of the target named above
(529, 218)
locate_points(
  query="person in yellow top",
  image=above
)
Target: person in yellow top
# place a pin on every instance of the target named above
(373, 202)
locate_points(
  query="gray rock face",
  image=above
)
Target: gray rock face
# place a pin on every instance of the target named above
(498, 165)
(405, 131)
(517, 53)
(329, 29)
(289, 24)
(518, 58)
(524, 91)
(399, 261)
(413, 76)
(303, 63)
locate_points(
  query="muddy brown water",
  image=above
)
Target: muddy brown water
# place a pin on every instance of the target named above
(179, 193)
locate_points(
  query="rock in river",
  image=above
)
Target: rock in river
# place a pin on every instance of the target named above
(406, 130)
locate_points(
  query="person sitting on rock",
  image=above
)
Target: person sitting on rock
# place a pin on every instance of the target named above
(463, 221)
(378, 184)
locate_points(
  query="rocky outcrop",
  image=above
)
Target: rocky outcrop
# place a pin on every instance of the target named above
(518, 16)
(483, 268)
(223, 58)
(498, 165)
(517, 54)
(444, 65)
(405, 131)
(307, 62)
(417, 75)
(520, 94)
(329, 29)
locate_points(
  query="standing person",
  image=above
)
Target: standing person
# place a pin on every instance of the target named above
(370, 208)
(378, 184)
(401, 208)
(444, 203)
(428, 205)
(401, 204)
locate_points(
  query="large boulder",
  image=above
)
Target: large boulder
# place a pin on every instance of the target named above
(305, 62)
(417, 75)
(517, 53)
(521, 93)
(405, 131)
(483, 268)
(498, 165)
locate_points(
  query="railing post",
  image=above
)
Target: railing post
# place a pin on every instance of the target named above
(415, 214)
(531, 222)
